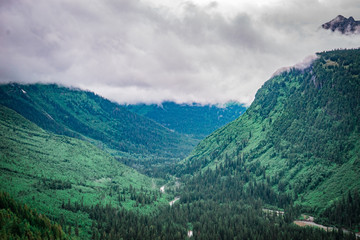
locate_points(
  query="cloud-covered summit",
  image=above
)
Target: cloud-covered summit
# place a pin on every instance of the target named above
(149, 51)
(343, 25)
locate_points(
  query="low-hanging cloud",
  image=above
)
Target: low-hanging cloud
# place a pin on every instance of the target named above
(138, 51)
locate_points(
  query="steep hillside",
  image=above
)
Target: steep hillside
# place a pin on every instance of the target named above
(53, 172)
(193, 119)
(85, 115)
(300, 135)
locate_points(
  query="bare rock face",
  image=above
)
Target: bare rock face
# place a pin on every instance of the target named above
(343, 25)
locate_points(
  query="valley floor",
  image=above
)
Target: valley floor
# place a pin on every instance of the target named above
(308, 221)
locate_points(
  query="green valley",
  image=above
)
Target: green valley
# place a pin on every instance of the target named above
(133, 139)
(180, 120)
(296, 149)
(48, 171)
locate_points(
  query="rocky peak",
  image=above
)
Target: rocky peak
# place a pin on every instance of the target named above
(343, 25)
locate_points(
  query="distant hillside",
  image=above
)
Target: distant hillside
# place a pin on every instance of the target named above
(85, 115)
(58, 175)
(193, 119)
(301, 135)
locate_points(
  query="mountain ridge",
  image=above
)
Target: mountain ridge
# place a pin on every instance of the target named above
(343, 25)
(192, 119)
(300, 134)
(85, 115)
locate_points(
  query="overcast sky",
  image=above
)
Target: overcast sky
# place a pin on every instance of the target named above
(154, 50)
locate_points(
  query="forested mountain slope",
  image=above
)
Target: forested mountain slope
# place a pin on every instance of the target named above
(92, 196)
(85, 115)
(297, 143)
(193, 119)
(301, 135)
(51, 172)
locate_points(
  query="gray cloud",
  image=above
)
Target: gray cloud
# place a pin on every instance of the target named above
(137, 51)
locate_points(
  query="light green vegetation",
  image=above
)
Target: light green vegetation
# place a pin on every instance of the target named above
(48, 170)
(133, 139)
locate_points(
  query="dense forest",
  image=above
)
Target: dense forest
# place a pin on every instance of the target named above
(300, 134)
(344, 212)
(192, 119)
(294, 152)
(18, 221)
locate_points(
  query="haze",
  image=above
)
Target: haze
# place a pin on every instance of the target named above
(149, 51)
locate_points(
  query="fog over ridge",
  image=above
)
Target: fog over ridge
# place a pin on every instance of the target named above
(149, 51)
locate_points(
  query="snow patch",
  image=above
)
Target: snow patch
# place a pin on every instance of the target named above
(357, 29)
(48, 115)
(173, 201)
(103, 180)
